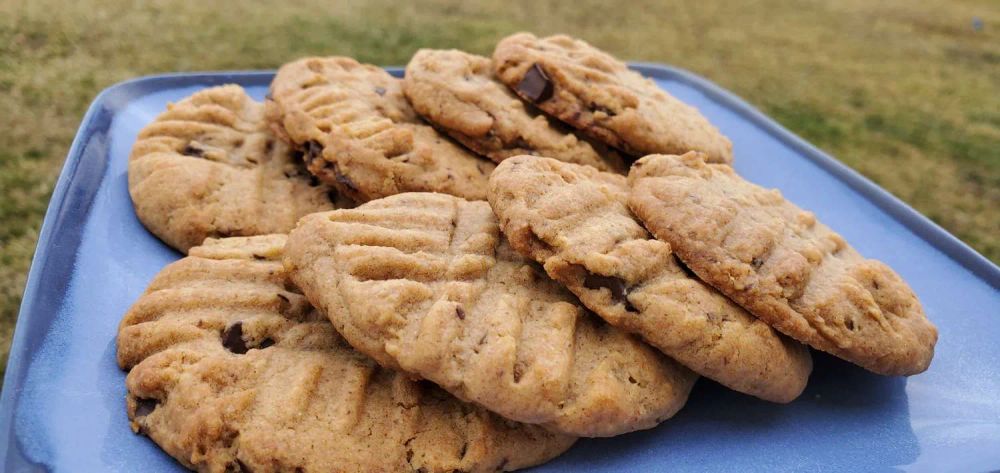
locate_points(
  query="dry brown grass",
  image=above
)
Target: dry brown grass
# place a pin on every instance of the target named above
(906, 92)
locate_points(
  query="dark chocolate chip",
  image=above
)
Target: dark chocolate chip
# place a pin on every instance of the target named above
(459, 313)
(145, 406)
(380, 90)
(597, 281)
(535, 85)
(600, 108)
(313, 150)
(193, 151)
(332, 195)
(615, 285)
(313, 181)
(342, 179)
(232, 339)
(265, 343)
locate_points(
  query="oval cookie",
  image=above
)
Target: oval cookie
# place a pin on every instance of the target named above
(210, 167)
(783, 265)
(230, 369)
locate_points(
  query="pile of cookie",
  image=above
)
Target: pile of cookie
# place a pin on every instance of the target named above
(470, 267)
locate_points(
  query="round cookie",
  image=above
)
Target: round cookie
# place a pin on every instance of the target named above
(598, 94)
(210, 167)
(458, 93)
(781, 264)
(426, 284)
(575, 221)
(230, 369)
(359, 134)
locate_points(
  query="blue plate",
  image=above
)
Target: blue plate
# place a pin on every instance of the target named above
(63, 402)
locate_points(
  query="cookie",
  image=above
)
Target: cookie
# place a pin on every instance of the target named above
(575, 221)
(598, 94)
(210, 167)
(458, 93)
(358, 133)
(781, 264)
(425, 283)
(230, 369)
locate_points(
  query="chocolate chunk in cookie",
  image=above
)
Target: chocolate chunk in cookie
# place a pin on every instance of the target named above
(535, 86)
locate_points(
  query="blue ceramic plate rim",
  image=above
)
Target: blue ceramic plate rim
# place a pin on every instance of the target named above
(62, 217)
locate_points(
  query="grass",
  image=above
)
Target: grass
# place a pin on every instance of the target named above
(908, 93)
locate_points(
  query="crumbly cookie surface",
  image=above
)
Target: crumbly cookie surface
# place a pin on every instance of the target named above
(459, 93)
(210, 167)
(358, 133)
(598, 94)
(575, 221)
(230, 369)
(783, 265)
(426, 284)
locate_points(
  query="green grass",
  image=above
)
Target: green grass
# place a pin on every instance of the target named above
(906, 92)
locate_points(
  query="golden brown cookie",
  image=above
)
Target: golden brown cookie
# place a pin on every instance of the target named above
(210, 167)
(232, 370)
(575, 221)
(781, 264)
(426, 284)
(359, 134)
(459, 94)
(598, 94)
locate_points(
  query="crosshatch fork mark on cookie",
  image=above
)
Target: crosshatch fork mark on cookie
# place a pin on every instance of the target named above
(231, 370)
